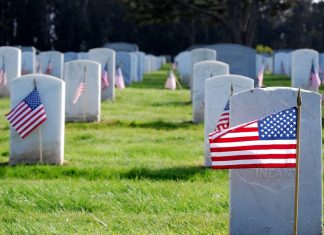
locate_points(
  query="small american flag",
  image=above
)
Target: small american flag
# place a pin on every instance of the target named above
(223, 122)
(104, 77)
(3, 75)
(49, 68)
(269, 142)
(27, 115)
(119, 79)
(315, 81)
(80, 89)
(260, 75)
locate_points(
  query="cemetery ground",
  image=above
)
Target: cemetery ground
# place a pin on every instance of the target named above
(138, 171)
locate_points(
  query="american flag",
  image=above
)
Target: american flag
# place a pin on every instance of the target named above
(104, 77)
(27, 115)
(80, 89)
(49, 68)
(260, 75)
(3, 75)
(269, 142)
(223, 122)
(315, 81)
(119, 79)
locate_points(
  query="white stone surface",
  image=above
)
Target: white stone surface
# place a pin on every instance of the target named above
(28, 63)
(12, 61)
(217, 93)
(301, 63)
(71, 55)
(49, 137)
(184, 66)
(200, 54)
(147, 64)
(83, 55)
(104, 55)
(57, 60)
(262, 200)
(201, 72)
(134, 67)
(267, 60)
(282, 63)
(87, 108)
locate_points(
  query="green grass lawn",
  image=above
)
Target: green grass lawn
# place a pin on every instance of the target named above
(138, 171)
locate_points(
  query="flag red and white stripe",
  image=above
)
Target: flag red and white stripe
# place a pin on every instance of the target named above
(223, 122)
(78, 92)
(27, 115)
(315, 81)
(260, 75)
(265, 143)
(49, 68)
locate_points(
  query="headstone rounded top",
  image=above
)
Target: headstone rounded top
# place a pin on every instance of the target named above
(227, 77)
(101, 49)
(231, 45)
(304, 50)
(210, 62)
(201, 49)
(9, 48)
(81, 61)
(30, 77)
(52, 53)
(122, 46)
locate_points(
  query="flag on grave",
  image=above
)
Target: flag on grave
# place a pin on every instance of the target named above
(223, 122)
(49, 68)
(171, 81)
(269, 142)
(80, 89)
(3, 75)
(27, 115)
(260, 75)
(104, 77)
(119, 79)
(315, 81)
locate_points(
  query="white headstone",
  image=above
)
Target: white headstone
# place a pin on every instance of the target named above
(134, 67)
(10, 58)
(266, 60)
(301, 63)
(46, 143)
(282, 63)
(262, 200)
(217, 93)
(51, 63)
(28, 63)
(123, 59)
(147, 64)
(201, 72)
(86, 106)
(83, 55)
(200, 54)
(184, 66)
(105, 57)
(69, 56)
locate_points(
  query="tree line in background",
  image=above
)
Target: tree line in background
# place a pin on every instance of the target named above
(161, 26)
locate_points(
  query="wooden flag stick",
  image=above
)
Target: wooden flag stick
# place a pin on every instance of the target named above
(85, 95)
(299, 103)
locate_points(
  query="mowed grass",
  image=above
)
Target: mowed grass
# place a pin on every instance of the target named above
(138, 171)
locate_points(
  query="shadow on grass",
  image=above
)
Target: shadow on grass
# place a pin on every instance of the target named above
(162, 125)
(157, 125)
(171, 103)
(173, 173)
(99, 173)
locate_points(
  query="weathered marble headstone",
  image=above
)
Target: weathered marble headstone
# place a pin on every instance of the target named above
(69, 56)
(321, 63)
(147, 64)
(217, 93)
(134, 67)
(262, 200)
(201, 54)
(123, 59)
(28, 63)
(106, 56)
(184, 66)
(152, 63)
(201, 72)
(46, 143)
(140, 65)
(301, 63)
(122, 46)
(86, 106)
(51, 63)
(282, 63)
(10, 59)
(241, 59)
(83, 55)
(266, 60)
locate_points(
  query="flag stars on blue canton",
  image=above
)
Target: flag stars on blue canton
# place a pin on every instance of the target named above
(33, 99)
(282, 125)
